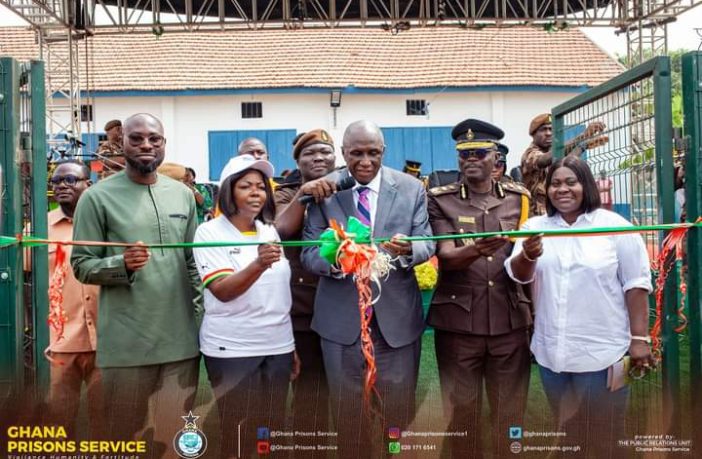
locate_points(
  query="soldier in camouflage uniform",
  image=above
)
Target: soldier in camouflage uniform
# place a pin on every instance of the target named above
(535, 162)
(110, 151)
(538, 157)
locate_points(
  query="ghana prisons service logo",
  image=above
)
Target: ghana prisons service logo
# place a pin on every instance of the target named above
(190, 442)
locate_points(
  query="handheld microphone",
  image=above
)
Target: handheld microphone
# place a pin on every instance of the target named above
(343, 184)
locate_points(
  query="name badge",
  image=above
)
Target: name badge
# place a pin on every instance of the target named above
(466, 220)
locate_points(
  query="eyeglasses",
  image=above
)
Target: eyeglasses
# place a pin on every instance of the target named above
(136, 140)
(69, 180)
(479, 153)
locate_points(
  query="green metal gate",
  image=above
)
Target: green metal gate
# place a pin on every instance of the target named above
(23, 295)
(692, 110)
(637, 162)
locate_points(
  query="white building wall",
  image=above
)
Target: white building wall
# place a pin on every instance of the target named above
(187, 119)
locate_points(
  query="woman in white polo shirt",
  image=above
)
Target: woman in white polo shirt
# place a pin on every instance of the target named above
(246, 334)
(591, 307)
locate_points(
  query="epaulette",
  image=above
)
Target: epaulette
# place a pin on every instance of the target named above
(515, 187)
(444, 189)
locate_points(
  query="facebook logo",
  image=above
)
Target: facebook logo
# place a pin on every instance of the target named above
(515, 433)
(262, 433)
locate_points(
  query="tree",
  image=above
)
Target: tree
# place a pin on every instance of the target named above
(676, 82)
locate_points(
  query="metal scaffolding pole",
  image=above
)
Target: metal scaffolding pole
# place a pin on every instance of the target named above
(59, 48)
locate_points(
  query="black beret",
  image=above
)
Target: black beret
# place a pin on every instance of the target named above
(476, 130)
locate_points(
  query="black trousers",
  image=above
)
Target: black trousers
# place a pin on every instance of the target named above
(466, 362)
(250, 393)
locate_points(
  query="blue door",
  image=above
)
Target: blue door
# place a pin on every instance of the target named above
(431, 146)
(223, 146)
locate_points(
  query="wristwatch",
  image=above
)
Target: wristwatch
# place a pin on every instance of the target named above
(646, 339)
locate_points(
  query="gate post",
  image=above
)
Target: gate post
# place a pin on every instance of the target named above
(11, 275)
(692, 110)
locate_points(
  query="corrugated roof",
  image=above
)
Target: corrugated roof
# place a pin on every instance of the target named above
(364, 58)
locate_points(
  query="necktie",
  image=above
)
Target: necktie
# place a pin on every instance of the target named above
(363, 205)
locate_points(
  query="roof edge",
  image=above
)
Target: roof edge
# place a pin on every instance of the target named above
(325, 90)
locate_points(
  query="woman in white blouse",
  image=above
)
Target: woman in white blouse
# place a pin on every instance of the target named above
(591, 307)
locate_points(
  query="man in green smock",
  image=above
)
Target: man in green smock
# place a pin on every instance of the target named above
(147, 336)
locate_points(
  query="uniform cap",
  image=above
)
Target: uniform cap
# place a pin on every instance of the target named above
(112, 124)
(502, 148)
(311, 138)
(476, 130)
(538, 121)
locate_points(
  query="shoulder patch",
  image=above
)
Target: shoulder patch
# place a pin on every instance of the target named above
(515, 188)
(444, 189)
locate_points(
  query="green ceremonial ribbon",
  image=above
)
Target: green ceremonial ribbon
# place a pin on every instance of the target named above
(6, 241)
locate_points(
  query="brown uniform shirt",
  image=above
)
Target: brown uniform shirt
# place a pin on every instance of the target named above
(480, 299)
(302, 284)
(534, 179)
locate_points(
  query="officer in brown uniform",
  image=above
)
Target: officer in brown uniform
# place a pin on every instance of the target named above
(314, 153)
(479, 314)
(499, 172)
(110, 151)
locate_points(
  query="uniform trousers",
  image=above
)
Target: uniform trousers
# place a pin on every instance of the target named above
(466, 362)
(310, 403)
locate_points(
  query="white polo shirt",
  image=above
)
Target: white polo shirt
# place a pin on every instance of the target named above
(257, 322)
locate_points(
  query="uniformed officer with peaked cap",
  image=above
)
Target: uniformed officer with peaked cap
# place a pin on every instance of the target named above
(498, 173)
(479, 314)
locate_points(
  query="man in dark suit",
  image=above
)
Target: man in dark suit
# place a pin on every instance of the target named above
(394, 205)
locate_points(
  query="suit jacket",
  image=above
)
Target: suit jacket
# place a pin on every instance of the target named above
(402, 208)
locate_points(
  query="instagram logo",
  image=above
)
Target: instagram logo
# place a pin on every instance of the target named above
(394, 433)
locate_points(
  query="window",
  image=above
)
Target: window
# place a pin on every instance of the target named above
(86, 113)
(416, 107)
(251, 110)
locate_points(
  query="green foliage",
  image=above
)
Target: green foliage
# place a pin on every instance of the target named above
(675, 78)
(638, 159)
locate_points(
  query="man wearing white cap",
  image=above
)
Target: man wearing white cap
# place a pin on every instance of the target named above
(246, 334)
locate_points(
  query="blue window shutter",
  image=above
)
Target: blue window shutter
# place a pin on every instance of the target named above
(223, 146)
(431, 146)
(443, 149)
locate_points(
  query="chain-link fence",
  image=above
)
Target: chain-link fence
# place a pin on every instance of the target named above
(623, 128)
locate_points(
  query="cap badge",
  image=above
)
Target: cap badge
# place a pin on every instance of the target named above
(470, 135)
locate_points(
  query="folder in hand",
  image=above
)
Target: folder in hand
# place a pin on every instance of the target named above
(618, 374)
